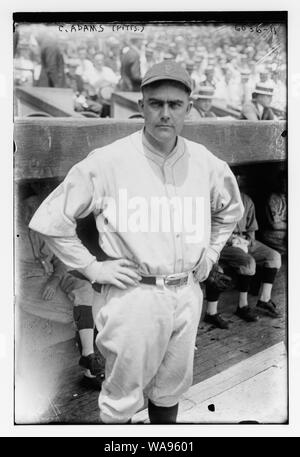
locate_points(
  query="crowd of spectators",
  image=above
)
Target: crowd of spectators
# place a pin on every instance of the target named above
(229, 59)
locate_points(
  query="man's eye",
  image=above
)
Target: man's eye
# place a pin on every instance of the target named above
(155, 104)
(175, 105)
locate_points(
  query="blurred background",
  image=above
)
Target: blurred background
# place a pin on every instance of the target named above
(93, 68)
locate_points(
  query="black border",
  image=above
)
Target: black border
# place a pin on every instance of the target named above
(152, 16)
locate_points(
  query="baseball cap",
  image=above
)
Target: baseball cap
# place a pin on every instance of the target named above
(167, 70)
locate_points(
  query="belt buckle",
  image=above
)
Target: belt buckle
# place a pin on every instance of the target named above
(173, 280)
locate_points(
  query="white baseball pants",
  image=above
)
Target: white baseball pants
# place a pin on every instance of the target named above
(147, 335)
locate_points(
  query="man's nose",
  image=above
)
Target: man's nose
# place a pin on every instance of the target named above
(165, 113)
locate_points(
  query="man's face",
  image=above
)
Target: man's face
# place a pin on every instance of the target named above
(191, 50)
(82, 54)
(98, 61)
(164, 108)
(209, 75)
(149, 55)
(244, 79)
(275, 76)
(137, 43)
(72, 70)
(264, 100)
(263, 77)
(189, 69)
(203, 103)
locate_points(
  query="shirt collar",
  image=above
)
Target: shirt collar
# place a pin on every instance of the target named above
(260, 108)
(159, 157)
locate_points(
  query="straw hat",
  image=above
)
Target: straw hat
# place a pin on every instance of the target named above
(263, 89)
(204, 92)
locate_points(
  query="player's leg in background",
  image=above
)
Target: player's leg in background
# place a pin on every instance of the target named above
(81, 294)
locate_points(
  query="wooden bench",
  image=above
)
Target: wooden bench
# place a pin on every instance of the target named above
(51, 101)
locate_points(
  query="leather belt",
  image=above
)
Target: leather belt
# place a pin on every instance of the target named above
(179, 279)
(170, 280)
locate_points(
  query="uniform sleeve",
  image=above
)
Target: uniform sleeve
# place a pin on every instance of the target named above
(226, 209)
(56, 218)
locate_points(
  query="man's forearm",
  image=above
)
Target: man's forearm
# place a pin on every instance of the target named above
(70, 251)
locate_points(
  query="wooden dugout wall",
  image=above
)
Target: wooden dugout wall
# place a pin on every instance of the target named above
(49, 147)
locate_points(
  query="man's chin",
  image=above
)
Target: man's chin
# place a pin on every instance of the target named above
(165, 132)
(163, 138)
(162, 135)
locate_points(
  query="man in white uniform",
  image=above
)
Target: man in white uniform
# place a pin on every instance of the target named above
(164, 208)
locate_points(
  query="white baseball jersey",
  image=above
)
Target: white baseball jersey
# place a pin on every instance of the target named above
(164, 213)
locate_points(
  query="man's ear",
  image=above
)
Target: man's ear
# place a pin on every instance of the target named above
(189, 107)
(141, 105)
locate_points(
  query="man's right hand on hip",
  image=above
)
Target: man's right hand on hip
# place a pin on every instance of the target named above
(120, 273)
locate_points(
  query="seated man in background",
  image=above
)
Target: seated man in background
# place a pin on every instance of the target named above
(102, 75)
(242, 252)
(78, 291)
(276, 213)
(258, 109)
(85, 67)
(81, 99)
(101, 84)
(202, 103)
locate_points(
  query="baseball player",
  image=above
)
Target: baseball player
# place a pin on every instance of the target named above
(164, 208)
(243, 252)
